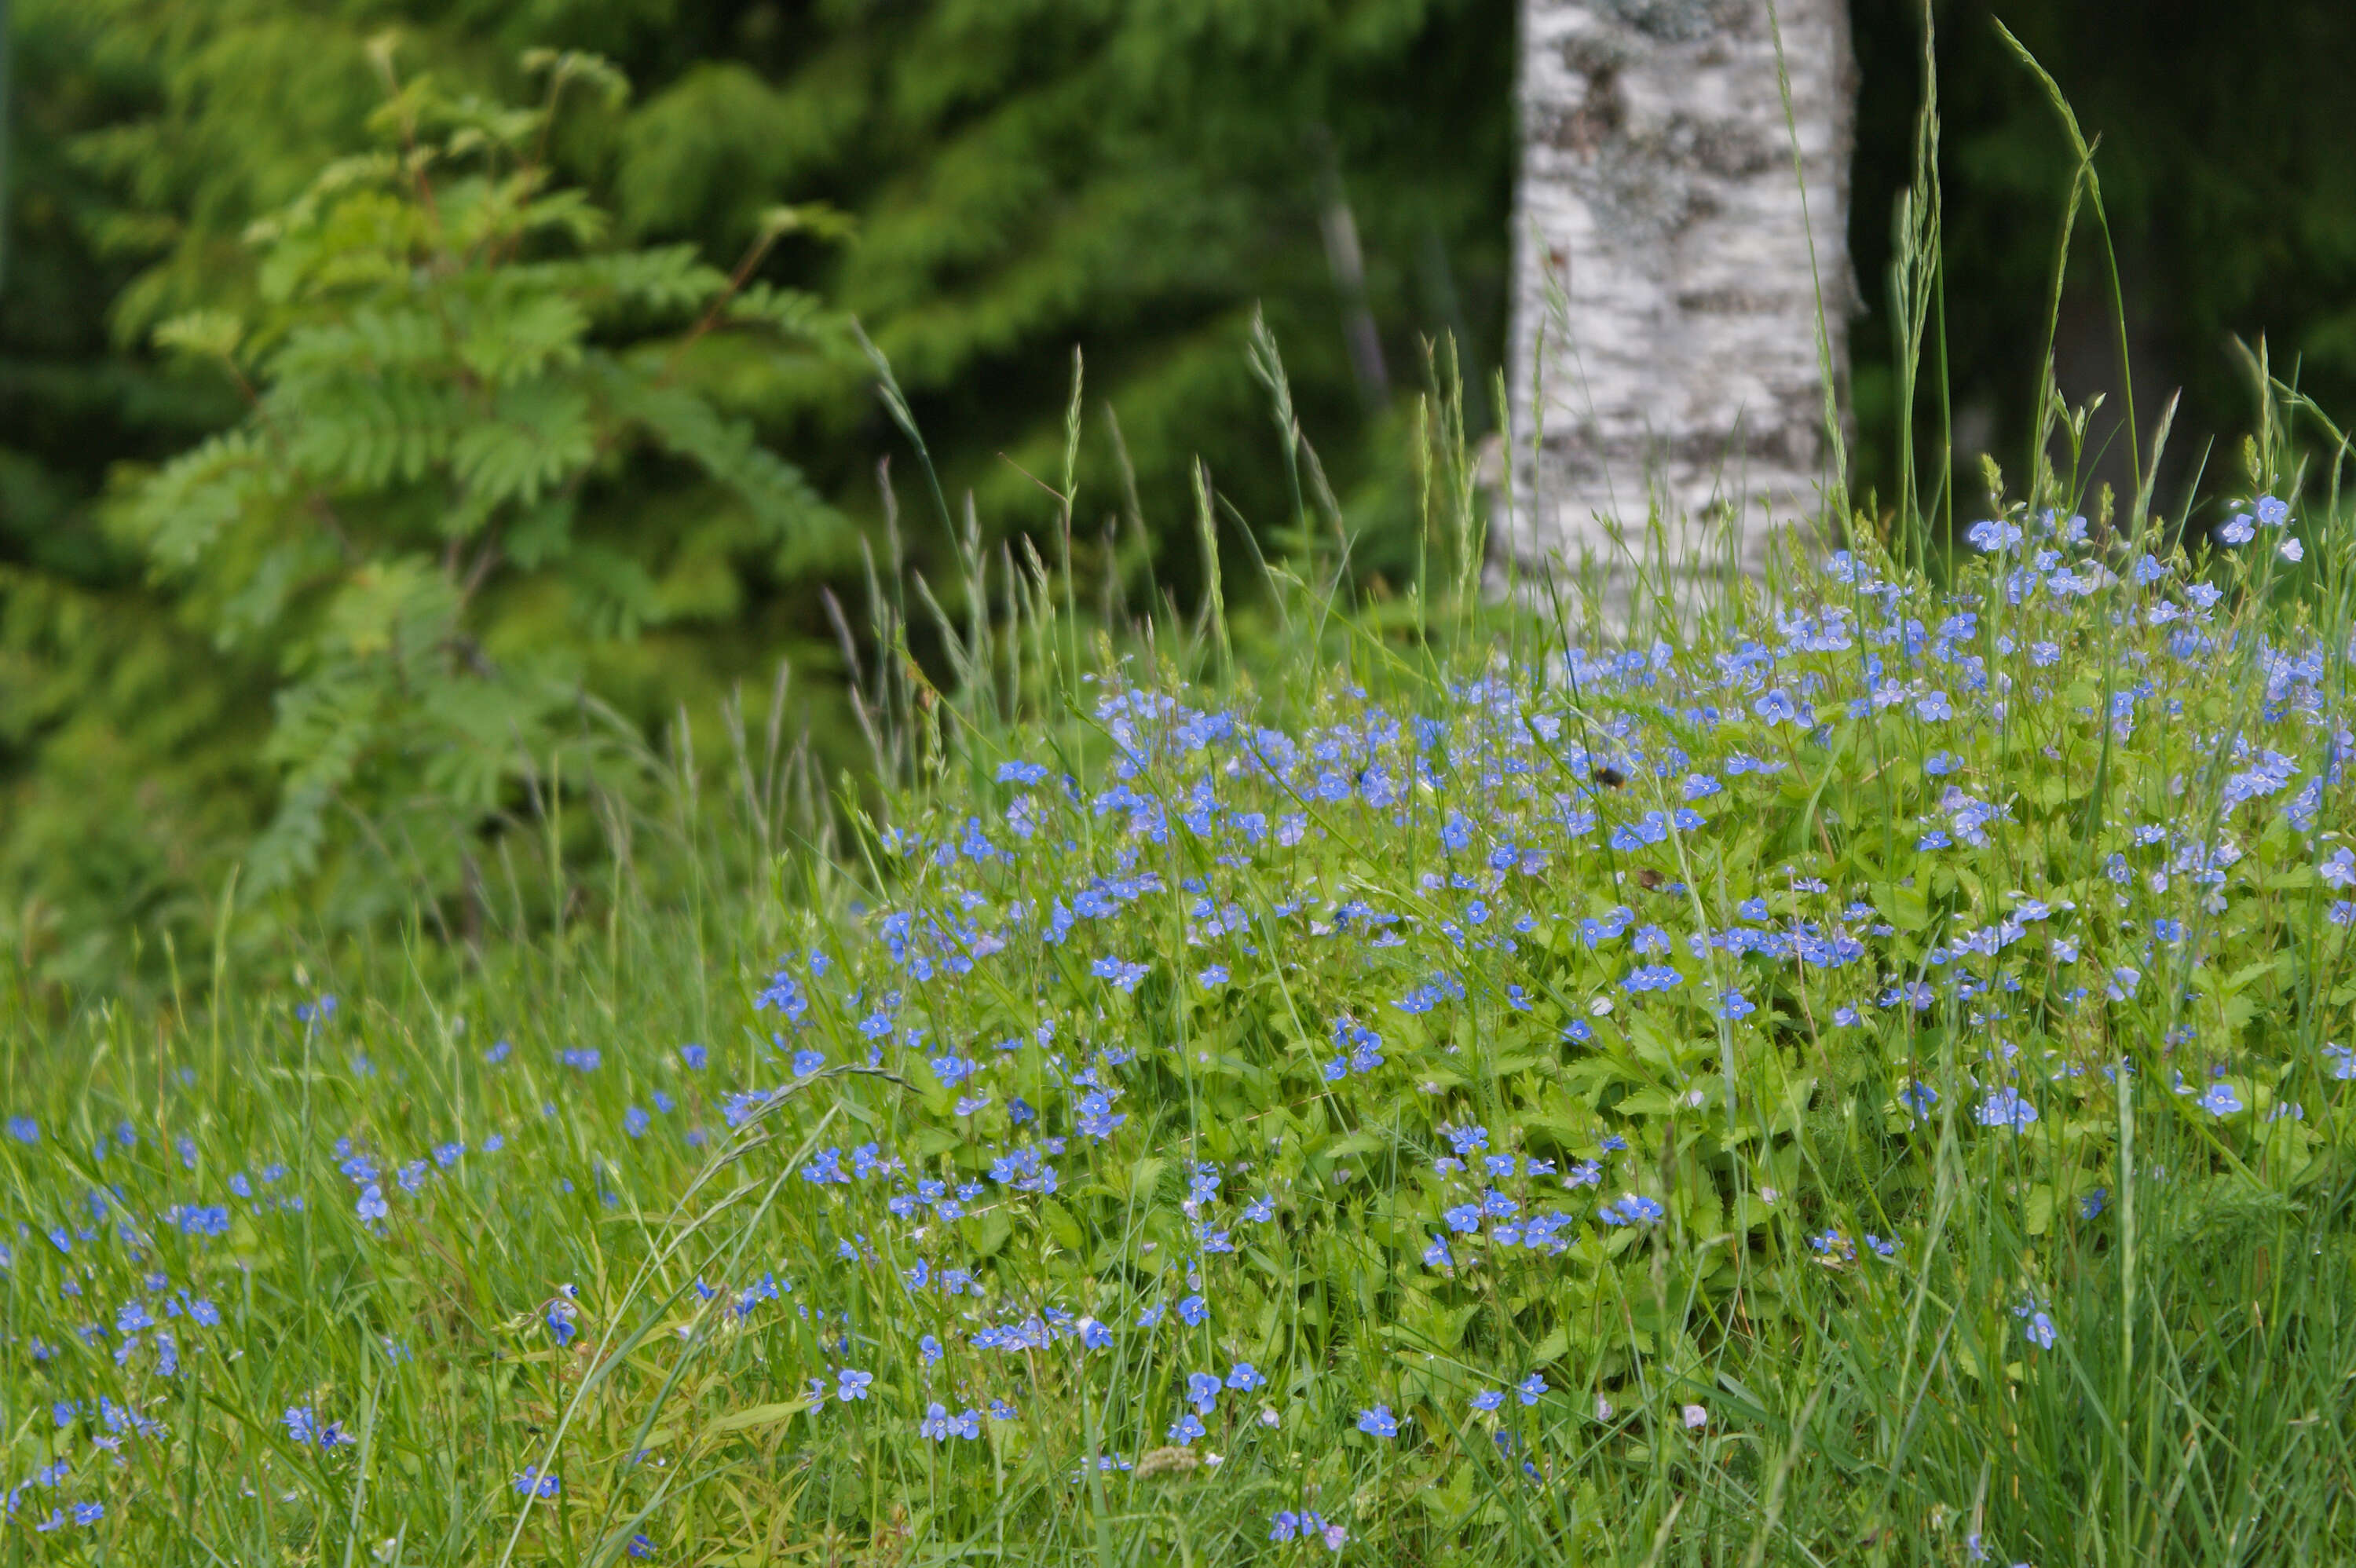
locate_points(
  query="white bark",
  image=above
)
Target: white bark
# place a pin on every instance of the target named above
(1666, 301)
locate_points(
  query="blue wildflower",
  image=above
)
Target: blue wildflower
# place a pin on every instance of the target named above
(1634, 1209)
(2005, 1108)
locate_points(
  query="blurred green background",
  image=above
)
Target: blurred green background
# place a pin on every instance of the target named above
(1016, 179)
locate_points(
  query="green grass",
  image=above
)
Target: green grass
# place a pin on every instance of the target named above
(584, 1290)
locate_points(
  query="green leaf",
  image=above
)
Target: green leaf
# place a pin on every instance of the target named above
(535, 435)
(214, 334)
(1905, 908)
(1061, 1226)
(754, 1418)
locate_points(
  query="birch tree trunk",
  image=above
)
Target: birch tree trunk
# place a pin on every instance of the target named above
(1665, 305)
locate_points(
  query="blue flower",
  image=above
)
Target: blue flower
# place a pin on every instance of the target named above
(1488, 1399)
(2219, 1100)
(1466, 1141)
(532, 1482)
(1185, 1429)
(1246, 1377)
(1202, 1391)
(1193, 1310)
(1634, 1209)
(1378, 1422)
(1531, 1389)
(849, 1384)
(559, 1316)
(2005, 1108)
(1124, 977)
(371, 1206)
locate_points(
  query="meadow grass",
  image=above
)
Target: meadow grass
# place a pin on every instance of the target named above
(1851, 1077)
(1844, 1071)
